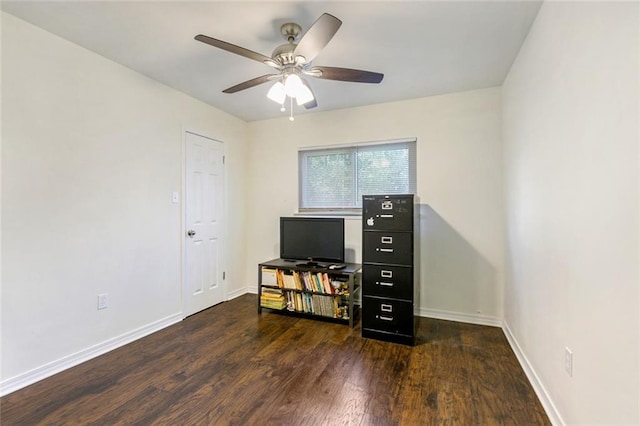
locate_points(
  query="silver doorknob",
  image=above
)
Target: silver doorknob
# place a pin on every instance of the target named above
(191, 233)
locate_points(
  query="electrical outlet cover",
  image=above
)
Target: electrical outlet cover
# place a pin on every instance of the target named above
(102, 301)
(568, 361)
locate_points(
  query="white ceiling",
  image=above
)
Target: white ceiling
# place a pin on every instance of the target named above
(423, 48)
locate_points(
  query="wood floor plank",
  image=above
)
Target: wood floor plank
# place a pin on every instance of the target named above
(385, 389)
(229, 365)
(455, 404)
(348, 407)
(418, 395)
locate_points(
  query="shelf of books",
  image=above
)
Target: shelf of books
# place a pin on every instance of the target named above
(316, 292)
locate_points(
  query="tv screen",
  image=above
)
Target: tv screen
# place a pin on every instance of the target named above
(312, 239)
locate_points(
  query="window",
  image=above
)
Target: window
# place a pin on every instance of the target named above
(335, 179)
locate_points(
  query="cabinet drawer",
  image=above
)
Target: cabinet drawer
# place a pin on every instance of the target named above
(387, 213)
(387, 315)
(387, 247)
(388, 281)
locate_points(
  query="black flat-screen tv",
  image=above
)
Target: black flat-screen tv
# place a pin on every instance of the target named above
(312, 239)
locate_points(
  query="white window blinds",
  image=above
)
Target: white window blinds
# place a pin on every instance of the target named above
(337, 178)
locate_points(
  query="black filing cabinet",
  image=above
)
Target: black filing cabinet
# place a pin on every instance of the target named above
(390, 267)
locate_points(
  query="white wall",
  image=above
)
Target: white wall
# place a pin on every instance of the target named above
(459, 182)
(91, 152)
(571, 182)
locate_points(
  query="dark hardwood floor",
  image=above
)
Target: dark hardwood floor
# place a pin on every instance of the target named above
(229, 365)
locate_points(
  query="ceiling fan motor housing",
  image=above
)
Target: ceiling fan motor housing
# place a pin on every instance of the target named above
(290, 31)
(283, 54)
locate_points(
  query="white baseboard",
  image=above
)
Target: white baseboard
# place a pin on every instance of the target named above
(237, 293)
(538, 387)
(22, 380)
(460, 317)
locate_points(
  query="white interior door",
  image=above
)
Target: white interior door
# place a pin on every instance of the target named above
(203, 224)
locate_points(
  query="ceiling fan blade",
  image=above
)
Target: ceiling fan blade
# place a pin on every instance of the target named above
(237, 50)
(251, 83)
(313, 102)
(317, 37)
(346, 74)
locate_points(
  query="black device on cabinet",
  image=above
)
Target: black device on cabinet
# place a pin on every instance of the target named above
(312, 239)
(390, 267)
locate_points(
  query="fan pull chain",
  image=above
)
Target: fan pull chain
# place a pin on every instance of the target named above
(282, 108)
(291, 109)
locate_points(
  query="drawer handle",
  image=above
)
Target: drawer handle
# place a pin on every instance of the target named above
(387, 205)
(386, 308)
(386, 216)
(386, 240)
(386, 250)
(386, 274)
(382, 317)
(384, 284)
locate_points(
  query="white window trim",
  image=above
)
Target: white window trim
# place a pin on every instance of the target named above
(357, 144)
(346, 211)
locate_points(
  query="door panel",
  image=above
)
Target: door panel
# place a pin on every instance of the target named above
(204, 197)
(212, 253)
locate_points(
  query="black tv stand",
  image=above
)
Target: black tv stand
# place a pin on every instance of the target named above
(310, 291)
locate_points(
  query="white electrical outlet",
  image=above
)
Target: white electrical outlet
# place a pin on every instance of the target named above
(103, 301)
(568, 361)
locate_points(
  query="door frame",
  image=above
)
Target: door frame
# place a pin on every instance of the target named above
(183, 213)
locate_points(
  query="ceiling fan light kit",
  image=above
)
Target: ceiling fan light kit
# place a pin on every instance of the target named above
(277, 93)
(295, 88)
(294, 60)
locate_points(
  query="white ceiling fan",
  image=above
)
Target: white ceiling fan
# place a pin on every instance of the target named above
(293, 61)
